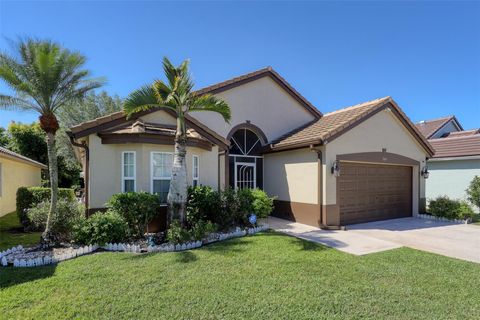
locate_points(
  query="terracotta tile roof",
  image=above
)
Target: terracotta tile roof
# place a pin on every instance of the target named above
(463, 133)
(457, 145)
(150, 128)
(15, 156)
(429, 127)
(335, 123)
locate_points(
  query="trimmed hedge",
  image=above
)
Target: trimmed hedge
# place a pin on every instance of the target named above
(449, 208)
(28, 197)
(101, 228)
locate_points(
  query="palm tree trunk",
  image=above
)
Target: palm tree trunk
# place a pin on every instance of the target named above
(47, 237)
(177, 194)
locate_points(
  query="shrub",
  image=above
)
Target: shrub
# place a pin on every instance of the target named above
(448, 208)
(473, 191)
(202, 229)
(101, 228)
(203, 203)
(67, 214)
(177, 234)
(28, 197)
(137, 208)
(262, 204)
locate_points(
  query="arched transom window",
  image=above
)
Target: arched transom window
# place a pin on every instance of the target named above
(245, 142)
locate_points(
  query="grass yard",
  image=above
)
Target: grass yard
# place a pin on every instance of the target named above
(267, 276)
(11, 233)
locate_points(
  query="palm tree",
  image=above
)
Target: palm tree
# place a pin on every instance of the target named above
(176, 95)
(43, 77)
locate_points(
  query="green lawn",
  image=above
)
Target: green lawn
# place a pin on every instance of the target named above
(267, 276)
(11, 233)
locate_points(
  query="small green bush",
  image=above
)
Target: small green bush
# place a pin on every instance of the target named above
(67, 214)
(177, 234)
(101, 228)
(137, 208)
(202, 229)
(262, 204)
(448, 208)
(28, 197)
(473, 192)
(203, 203)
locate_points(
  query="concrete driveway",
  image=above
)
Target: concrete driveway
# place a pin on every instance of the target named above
(460, 241)
(452, 240)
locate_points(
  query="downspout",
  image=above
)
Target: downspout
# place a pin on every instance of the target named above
(320, 181)
(86, 169)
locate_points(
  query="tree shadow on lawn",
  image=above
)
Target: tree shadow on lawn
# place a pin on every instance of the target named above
(301, 243)
(10, 276)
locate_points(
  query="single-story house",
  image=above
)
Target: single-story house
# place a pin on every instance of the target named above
(16, 171)
(357, 164)
(456, 160)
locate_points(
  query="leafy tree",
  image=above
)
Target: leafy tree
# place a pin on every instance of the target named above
(43, 77)
(29, 141)
(93, 106)
(4, 140)
(473, 192)
(178, 96)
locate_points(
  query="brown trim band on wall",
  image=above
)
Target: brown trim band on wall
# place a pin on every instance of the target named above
(305, 213)
(119, 138)
(378, 157)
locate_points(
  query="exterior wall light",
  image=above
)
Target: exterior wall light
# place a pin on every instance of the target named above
(425, 173)
(336, 168)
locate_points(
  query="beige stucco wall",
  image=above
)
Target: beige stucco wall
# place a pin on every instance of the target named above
(258, 101)
(292, 175)
(159, 117)
(106, 174)
(382, 130)
(15, 175)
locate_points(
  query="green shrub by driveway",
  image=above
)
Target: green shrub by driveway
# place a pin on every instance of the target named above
(266, 276)
(451, 209)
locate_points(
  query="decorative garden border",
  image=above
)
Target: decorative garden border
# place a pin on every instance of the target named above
(442, 219)
(122, 247)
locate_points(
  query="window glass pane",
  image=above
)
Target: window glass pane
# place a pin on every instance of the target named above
(195, 167)
(161, 188)
(128, 165)
(162, 165)
(129, 185)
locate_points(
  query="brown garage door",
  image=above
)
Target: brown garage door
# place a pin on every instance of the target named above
(369, 192)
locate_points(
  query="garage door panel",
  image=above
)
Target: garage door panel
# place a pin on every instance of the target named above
(369, 192)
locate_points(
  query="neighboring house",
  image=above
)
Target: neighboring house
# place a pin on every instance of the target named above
(357, 164)
(456, 160)
(16, 171)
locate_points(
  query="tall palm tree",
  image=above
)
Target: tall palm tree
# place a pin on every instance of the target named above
(177, 95)
(43, 77)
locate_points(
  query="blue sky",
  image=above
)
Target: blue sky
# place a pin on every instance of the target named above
(426, 55)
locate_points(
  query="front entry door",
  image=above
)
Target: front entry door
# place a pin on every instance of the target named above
(245, 174)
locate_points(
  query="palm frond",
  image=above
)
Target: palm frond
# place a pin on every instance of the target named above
(14, 103)
(208, 102)
(139, 100)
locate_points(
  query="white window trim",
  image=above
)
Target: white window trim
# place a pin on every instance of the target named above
(152, 178)
(198, 169)
(134, 170)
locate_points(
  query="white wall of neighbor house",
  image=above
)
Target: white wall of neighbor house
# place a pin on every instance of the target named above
(451, 177)
(382, 130)
(106, 167)
(449, 127)
(292, 175)
(257, 101)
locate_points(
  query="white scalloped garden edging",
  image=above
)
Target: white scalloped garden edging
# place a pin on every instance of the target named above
(442, 219)
(121, 247)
